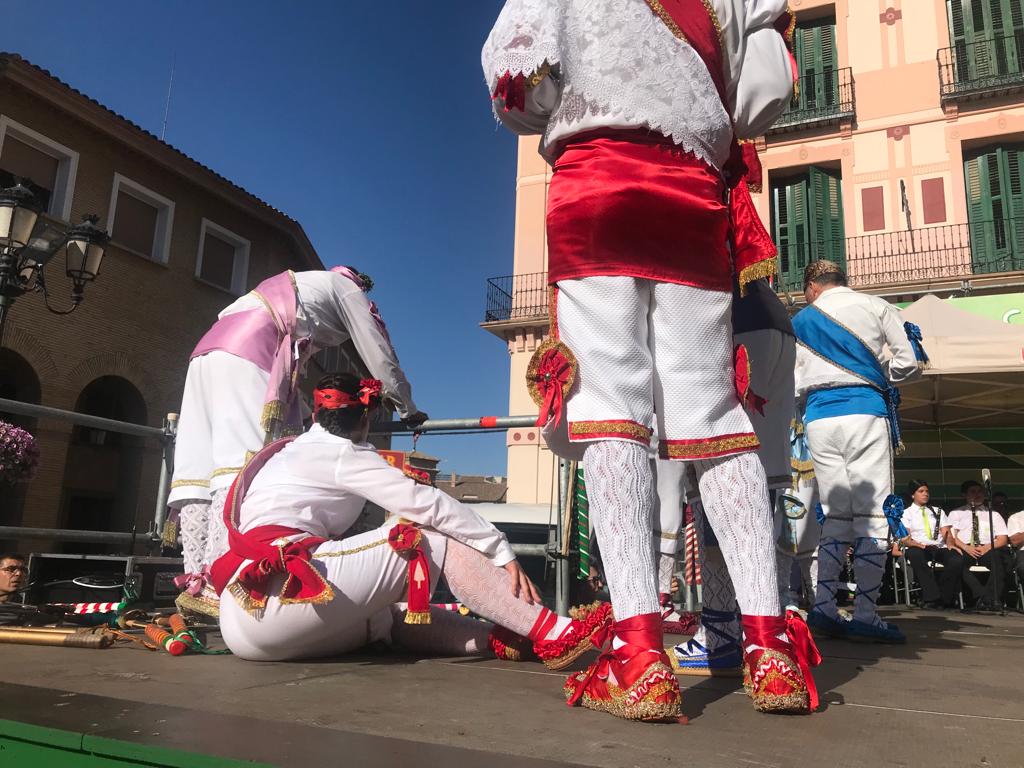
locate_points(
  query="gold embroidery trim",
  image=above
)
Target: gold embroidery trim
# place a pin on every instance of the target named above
(190, 483)
(538, 77)
(710, 447)
(344, 552)
(714, 20)
(631, 428)
(763, 268)
(226, 471)
(666, 17)
(535, 360)
(669, 536)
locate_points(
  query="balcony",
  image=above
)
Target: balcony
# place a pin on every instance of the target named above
(517, 298)
(821, 99)
(933, 254)
(908, 259)
(990, 67)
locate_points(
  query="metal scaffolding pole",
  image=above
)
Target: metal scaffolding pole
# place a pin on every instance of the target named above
(449, 425)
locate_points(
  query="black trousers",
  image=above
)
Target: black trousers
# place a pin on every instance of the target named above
(996, 561)
(942, 585)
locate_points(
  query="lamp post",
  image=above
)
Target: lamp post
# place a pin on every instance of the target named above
(28, 242)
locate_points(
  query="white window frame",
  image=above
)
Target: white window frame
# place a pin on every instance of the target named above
(164, 217)
(67, 168)
(239, 270)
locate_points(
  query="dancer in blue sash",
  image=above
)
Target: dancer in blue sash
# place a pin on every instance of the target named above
(852, 425)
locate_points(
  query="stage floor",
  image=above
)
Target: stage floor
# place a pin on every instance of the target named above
(953, 696)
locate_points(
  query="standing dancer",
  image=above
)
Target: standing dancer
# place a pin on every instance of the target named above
(640, 104)
(763, 329)
(241, 392)
(852, 424)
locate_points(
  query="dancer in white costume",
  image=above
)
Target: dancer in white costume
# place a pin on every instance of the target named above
(798, 518)
(640, 104)
(762, 327)
(240, 393)
(845, 372)
(298, 588)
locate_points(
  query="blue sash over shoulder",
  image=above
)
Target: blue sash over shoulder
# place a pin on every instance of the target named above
(831, 341)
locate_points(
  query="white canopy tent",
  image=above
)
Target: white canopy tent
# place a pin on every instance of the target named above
(976, 378)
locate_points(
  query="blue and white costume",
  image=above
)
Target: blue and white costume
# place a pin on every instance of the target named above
(852, 426)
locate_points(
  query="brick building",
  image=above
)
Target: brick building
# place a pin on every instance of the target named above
(900, 157)
(185, 242)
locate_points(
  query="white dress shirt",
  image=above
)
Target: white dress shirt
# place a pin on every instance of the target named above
(331, 310)
(1015, 524)
(962, 523)
(319, 483)
(923, 524)
(876, 322)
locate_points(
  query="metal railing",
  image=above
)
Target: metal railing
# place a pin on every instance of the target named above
(991, 66)
(516, 297)
(820, 98)
(887, 258)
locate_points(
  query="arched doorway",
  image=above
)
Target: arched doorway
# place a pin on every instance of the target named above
(101, 477)
(18, 381)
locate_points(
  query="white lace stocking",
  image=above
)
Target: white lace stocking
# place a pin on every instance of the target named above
(217, 533)
(735, 497)
(620, 487)
(720, 621)
(194, 521)
(448, 634)
(486, 590)
(666, 567)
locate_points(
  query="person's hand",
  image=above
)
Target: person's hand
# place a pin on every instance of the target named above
(522, 587)
(984, 549)
(972, 550)
(415, 419)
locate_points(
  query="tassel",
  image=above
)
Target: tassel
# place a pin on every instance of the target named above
(417, 617)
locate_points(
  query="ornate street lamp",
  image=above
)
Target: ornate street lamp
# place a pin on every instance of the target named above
(28, 242)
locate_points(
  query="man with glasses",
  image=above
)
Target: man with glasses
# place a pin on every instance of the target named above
(13, 576)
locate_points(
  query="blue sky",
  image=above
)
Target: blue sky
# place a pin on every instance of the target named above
(367, 122)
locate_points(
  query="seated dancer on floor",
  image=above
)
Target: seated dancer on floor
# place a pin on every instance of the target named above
(240, 394)
(298, 589)
(640, 104)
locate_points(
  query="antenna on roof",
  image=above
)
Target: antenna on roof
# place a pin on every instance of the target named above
(167, 105)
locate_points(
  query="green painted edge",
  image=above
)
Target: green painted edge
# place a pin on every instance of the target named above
(116, 749)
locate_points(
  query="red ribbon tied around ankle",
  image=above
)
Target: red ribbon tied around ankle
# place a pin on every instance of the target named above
(807, 654)
(405, 539)
(511, 89)
(193, 583)
(639, 633)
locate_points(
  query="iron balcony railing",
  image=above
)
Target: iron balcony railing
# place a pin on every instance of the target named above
(944, 252)
(910, 256)
(991, 66)
(820, 98)
(517, 297)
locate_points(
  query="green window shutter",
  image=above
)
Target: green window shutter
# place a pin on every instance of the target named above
(995, 203)
(815, 46)
(789, 228)
(826, 215)
(1013, 159)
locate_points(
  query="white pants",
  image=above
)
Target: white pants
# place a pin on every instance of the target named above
(772, 365)
(647, 351)
(671, 500)
(219, 424)
(366, 582)
(852, 458)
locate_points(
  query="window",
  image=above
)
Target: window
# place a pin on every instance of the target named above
(988, 38)
(48, 166)
(223, 258)
(815, 46)
(807, 221)
(995, 208)
(140, 220)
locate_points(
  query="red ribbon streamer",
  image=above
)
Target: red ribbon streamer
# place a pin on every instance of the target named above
(405, 539)
(639, 633)
(764, 631)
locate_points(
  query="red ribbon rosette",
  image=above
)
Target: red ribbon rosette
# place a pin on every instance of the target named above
(747, 396)
(511, 89)
(405, 539)
(369, 392)
(549, 377)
